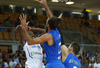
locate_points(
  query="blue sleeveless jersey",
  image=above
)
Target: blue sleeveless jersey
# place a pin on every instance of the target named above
(53, 52)
(72, 62)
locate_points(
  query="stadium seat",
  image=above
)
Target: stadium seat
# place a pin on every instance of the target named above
(84, 31)
(78, 27)
(11, 35)
(1, 36)
(17, 36)
(90, 36)
(6, 35)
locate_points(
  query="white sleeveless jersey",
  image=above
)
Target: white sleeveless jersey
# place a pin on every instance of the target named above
(34, 56)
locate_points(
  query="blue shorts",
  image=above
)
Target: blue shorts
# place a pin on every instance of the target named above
(55, 64)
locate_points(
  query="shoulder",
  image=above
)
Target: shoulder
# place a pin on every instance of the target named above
(47, 35)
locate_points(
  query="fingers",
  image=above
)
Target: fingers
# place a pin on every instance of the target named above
(29, 28)
(20, 17)
(60, 16)
(28, 22)
(38, 1)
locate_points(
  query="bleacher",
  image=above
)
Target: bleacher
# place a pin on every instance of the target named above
(75, 24)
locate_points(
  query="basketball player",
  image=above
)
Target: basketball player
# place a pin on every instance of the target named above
(34, 53)
(69, 58)
(67, 53)
(51, 41)
(49, 14)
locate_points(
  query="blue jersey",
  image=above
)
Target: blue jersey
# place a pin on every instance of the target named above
(72, 61)
(53, 52)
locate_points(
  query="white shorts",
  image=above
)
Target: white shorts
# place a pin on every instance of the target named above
(27, 66)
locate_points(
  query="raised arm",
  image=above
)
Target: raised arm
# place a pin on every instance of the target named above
(31, 41)
(21, 35)
(49, 14)
(64, 51)
(48, 11)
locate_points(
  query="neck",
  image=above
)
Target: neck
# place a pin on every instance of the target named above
(48, 29)
(73, 53)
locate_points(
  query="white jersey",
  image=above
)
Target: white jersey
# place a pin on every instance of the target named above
(34, 56)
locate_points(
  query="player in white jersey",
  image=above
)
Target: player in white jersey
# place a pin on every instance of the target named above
(34, 53)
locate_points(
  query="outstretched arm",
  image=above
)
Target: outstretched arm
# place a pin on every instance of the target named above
(21, 35)
(37, 30)
(48, 11)
(49, 14)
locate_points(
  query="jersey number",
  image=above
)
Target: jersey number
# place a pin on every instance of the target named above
(59, 48)
(74, 67)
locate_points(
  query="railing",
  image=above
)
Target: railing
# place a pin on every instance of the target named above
(90, 37)
(8, 34)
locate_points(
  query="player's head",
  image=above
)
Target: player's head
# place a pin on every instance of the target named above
(31, 34)
(52, 23)
(74, 47)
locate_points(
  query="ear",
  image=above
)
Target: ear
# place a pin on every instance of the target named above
(47, 25)
(71, 48)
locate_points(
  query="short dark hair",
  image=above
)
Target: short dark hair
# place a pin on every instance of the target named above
(76, 47)
(53, 22)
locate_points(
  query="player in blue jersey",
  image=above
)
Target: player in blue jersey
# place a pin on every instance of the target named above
(65, 51)
(49, 14)
(51, 40)
(69, 58)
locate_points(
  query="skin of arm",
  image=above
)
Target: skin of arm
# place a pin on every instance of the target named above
(48, 11)
(21, 35)
(37, 30)
(44, 38)
(65, 52)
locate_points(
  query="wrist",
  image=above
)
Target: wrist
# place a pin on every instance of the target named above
(45, 4)
(25, 30)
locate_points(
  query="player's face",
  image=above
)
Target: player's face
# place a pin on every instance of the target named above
(31, 34)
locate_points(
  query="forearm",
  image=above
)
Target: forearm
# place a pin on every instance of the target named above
(21, 36)
(48, 11)
(38, 30)
(27, 36)
(22, 41)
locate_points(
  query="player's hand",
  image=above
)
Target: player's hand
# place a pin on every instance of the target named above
(27, 23)
(18, 28)
(60, 16)
(23, 21)
(43, 2)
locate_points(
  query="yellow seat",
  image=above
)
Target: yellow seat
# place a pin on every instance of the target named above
(17, 36)
(1, 36)
(84, 31)
(6, 35)
(11, 35)
(90, 36)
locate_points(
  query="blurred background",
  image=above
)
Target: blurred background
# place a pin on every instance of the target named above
(80, 23)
